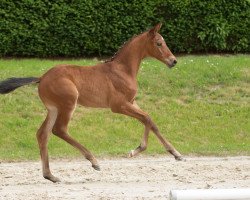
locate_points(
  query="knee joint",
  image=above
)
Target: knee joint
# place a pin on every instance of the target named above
(154, 128)
(151, 124)
(56, 131)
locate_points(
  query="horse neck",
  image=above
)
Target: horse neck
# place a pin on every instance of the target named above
(131, 55)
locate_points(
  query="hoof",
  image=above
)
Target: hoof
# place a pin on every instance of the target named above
(179, 158)
(131, 154)
(52, 178)
(96, 167)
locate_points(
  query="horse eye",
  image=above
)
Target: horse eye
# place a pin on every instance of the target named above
(159, 44)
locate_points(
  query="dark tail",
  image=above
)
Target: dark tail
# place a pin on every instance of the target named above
(11, 84)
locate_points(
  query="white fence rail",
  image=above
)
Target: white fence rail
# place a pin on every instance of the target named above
(210, 194)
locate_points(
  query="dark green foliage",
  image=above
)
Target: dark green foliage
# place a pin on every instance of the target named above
(206, 26)
(45, 28)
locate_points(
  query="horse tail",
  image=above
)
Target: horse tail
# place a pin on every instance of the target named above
(11, 84)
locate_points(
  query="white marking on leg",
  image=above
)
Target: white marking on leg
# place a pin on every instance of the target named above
(132, 153)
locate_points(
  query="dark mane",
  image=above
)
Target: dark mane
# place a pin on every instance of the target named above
(120, 49)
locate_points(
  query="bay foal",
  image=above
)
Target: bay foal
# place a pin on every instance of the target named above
(111, 84)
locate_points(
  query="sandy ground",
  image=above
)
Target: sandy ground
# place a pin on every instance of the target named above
(122, 178)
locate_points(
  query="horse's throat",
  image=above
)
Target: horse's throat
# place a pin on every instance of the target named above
(131, 61)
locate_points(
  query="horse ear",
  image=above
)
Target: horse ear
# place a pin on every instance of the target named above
(155, 29)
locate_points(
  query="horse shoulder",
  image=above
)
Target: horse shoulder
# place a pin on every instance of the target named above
(123, 84)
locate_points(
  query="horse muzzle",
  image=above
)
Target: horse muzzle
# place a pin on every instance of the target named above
(171, 62)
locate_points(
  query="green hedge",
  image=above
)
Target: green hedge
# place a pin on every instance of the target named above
(47, 28)
(207, 26)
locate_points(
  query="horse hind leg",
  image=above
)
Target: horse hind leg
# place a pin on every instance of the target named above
(42, 138)
(60, 129)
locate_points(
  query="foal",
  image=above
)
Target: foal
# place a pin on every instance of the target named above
(111, 85)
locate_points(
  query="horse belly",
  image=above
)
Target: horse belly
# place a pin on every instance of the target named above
(93, 96)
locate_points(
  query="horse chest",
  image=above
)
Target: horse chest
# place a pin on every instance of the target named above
(128, 89)
(130, 92)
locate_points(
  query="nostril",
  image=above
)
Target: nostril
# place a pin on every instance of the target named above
(175, 61)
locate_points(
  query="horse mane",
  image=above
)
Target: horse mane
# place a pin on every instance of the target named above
(121, 48)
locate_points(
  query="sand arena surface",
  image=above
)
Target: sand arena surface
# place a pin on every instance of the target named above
(122, 178)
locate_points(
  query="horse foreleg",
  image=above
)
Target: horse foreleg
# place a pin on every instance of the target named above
(143, 145)
(168, 146)
(134, 111)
